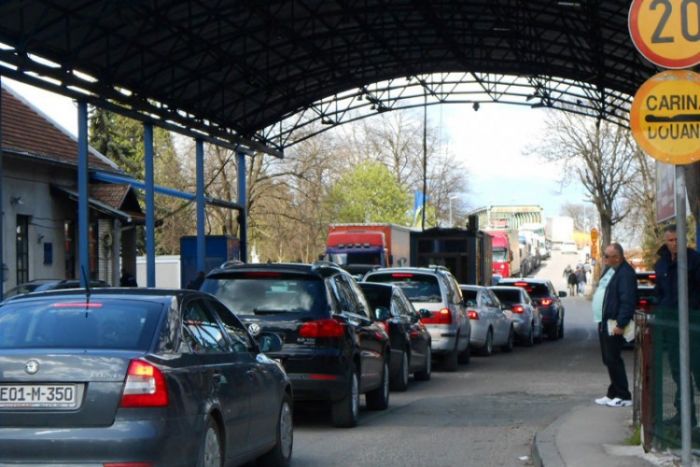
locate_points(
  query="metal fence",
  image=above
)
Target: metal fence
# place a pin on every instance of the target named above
(656, 375)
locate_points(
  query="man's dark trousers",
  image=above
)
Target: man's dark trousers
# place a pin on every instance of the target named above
(611, 350)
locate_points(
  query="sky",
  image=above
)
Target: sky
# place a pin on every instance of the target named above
(490, 143)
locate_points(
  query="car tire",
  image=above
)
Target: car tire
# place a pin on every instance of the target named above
(427, 371)
(378, 399)
(210, 449)
(451, 360)
(465, 356)
(553, 332)
(487, 349)
(530, 339)
(508, 346)
(400, 383)
(346, 412)
(560, 334)
(281, 454)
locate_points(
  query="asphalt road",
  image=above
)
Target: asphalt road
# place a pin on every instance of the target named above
(485, 414)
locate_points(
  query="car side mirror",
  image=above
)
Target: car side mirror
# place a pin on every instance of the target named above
(562, 294)
(269, 342)
(382, 313)
(424, 313)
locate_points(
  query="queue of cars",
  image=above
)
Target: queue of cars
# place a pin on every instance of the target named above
(149, 377)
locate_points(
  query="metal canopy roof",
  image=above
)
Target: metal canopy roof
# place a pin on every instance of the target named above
(232, 71)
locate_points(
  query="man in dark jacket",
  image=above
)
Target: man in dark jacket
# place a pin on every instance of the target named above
(666, 289)
(615, 299)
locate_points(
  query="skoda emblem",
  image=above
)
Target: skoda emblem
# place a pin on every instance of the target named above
(254, 329)
(31, 367)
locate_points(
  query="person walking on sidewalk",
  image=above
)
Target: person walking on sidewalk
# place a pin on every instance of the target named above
(666, 288)
(615, 299)
(572, 281)
(581, 279)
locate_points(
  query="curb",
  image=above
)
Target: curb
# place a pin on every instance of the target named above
(544, 451)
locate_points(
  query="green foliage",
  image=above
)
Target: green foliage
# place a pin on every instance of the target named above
(369, 193)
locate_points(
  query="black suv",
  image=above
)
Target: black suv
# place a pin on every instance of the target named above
(547, 299)
(334, 350)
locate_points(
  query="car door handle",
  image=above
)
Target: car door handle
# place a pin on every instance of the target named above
(218, 378)
(251, 374)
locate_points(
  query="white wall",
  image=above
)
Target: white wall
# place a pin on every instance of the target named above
(167, 271)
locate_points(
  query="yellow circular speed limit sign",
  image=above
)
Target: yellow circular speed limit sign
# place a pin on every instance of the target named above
(665, 117)
(666, 32)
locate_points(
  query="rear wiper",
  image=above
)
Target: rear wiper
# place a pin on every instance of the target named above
(268, 311)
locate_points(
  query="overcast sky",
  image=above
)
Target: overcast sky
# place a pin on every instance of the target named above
(490, 143)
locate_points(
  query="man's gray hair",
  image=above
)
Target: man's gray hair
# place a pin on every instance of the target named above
(618, 248)
(670, 228)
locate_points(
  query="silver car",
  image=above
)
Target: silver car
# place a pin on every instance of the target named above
(435, 290)
(492, 326)
(527, 321)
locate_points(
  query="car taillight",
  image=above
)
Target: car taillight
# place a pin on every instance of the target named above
(520, 284)
(443, 316)
(401, 275)
(322, 328)
(145, 386)
(473, 314)
(546, 301)
(518, 309)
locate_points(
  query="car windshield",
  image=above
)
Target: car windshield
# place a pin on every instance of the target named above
(247, 295)
(416, 287)
(500, 254)
(507, 297)
(73, 322)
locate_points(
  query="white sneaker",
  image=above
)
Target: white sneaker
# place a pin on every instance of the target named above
(617, 402)
(603, 400)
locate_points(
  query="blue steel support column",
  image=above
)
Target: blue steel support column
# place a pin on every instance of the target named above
(150, 209)
(243, 213)
(201, 246)
(83, 213)
(2, 214)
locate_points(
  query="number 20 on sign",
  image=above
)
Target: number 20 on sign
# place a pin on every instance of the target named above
(666, 32)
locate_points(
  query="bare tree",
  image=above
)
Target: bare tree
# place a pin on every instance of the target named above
(599, 154)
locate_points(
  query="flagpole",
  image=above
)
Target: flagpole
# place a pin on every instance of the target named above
(425, 155)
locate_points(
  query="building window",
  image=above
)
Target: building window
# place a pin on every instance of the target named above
(22, 249)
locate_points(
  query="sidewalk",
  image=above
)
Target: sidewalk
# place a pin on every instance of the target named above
(592, 435)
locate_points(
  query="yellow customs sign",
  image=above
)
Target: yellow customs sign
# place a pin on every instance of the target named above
(665, 117)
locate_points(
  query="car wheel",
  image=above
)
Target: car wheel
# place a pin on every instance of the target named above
(281, 454)
(346, 411)
(508, 347)
(561, 330)
(487, 349)
(210, 453)
(538, 337)
(426, 372)
(553, 332)
(451, 360)
(400, 383)
(378, 399)
(465, 356)
(530, 339)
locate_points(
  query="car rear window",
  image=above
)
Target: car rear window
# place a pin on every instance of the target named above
(75, 323)
(469, 294)
(377, 296)
(507, 297)
(534, 289)
(422, 288)
(259, 294)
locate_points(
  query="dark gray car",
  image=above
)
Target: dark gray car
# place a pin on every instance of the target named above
(138, 377)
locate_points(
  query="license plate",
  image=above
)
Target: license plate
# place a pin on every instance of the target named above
(38, 396)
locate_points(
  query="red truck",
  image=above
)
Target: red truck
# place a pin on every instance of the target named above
(506, 253)
(362, 247)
